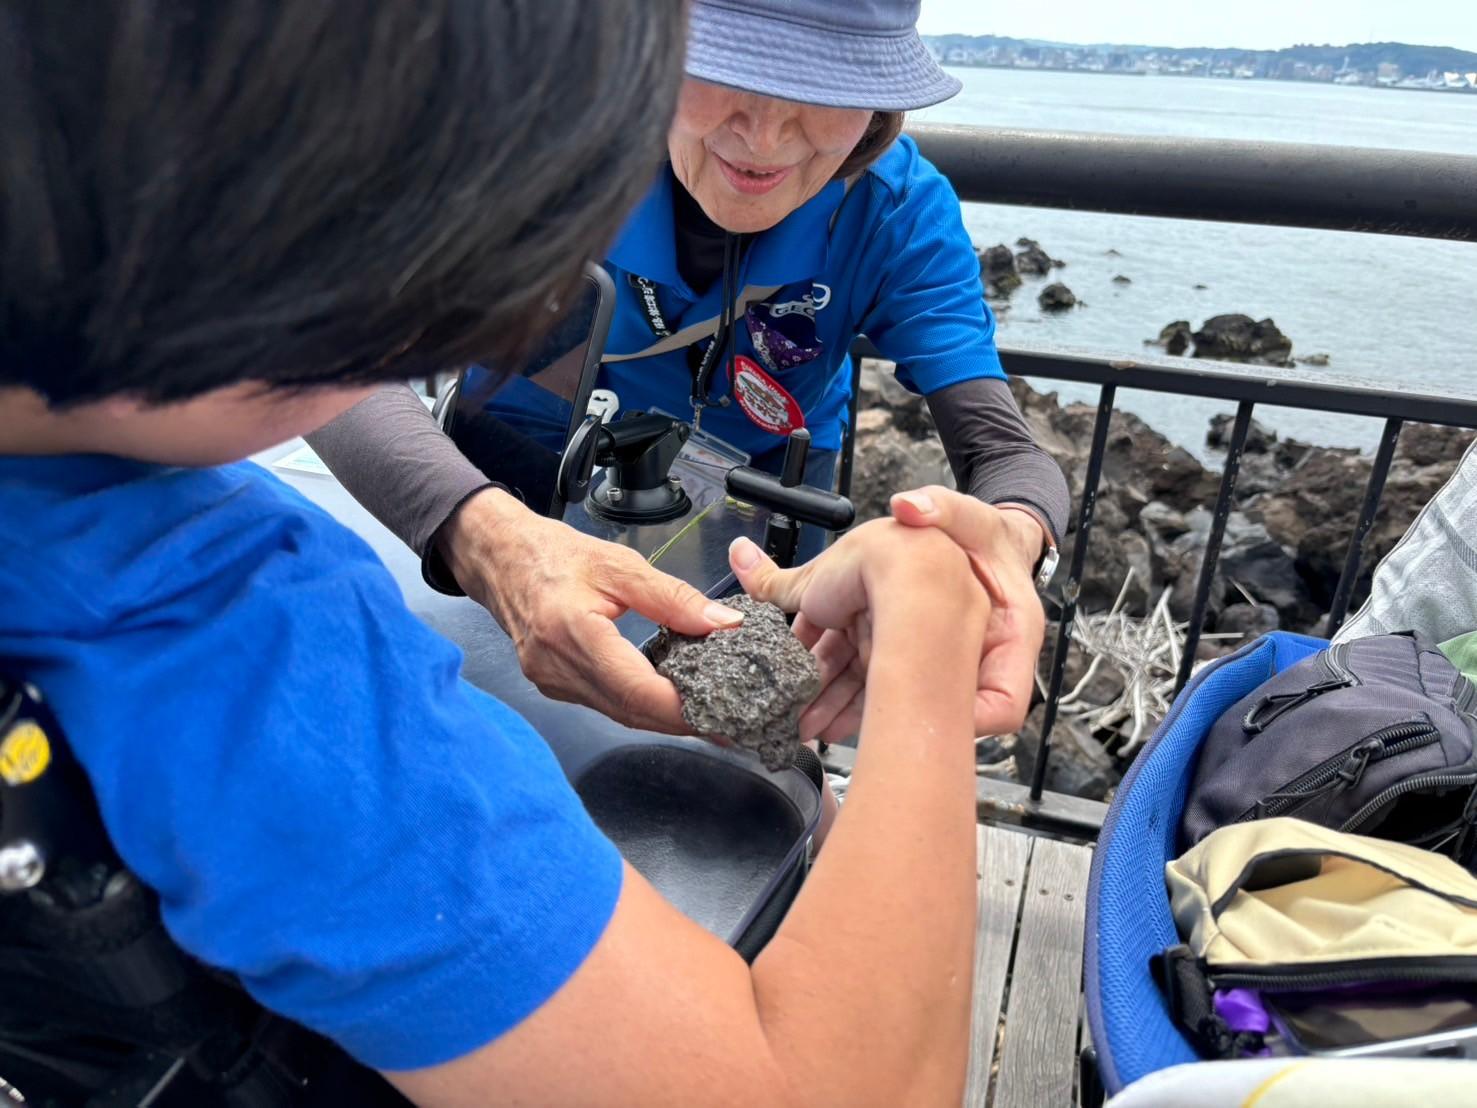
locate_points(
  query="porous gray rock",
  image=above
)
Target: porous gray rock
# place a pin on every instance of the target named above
(748, 685)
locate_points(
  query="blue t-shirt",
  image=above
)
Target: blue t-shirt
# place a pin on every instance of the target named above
(288, 756)
(897, 265)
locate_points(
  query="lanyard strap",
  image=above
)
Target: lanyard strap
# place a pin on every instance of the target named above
(696, 332)
(668, 340)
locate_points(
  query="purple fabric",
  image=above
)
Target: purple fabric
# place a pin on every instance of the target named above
(785, 334)
(1242, 1009)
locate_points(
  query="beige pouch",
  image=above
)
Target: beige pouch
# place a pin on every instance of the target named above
(1292, 895)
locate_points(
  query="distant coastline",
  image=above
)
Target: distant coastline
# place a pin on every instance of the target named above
(1391, 65)
(1202, 76)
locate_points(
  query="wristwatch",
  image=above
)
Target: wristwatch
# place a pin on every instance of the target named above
(1046, 567)
(1050, 557)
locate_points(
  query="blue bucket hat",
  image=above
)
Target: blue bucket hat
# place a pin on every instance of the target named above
(840, 53)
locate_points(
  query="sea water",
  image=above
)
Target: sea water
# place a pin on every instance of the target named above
(1385, 309)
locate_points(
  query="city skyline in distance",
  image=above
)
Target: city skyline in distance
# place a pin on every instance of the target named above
(1249, 25)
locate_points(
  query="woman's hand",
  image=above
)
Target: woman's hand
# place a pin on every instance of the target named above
(556, 591)
(877, 581)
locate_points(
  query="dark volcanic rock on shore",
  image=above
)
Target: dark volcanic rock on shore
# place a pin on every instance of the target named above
(1229, 338)
(998, 272)
(1239, 338)
(1294, 509)
(1056, 298)
(1033, 261)
(1295, 504)
(1176, 337)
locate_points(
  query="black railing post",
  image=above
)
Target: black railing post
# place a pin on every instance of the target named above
(1339, 609)
(1213, 542)
(848, 440)
(1074, 584)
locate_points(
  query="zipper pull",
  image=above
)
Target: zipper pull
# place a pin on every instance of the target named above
(1273, 705)
(1358, 761)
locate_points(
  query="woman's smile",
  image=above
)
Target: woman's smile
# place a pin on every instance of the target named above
(752, 180)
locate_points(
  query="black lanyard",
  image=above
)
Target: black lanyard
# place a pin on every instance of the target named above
(646, 297)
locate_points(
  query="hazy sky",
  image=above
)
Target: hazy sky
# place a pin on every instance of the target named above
(1256, 24)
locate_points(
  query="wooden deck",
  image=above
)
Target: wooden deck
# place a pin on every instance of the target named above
(1028, 971)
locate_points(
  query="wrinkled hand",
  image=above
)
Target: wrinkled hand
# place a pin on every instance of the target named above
(882, 571)
(556, 592)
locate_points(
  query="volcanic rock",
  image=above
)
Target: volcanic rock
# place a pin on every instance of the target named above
(1250, 620)
(748, 685)
(1239, 338)
(998, 272)
(1034, 261)
(1175, 337)
(1077, 763)
(1056, 298)
(1259, 440)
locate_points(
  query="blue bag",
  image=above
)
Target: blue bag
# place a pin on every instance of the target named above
(1128, 913)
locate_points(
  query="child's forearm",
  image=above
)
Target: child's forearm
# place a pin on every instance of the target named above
(884, 926)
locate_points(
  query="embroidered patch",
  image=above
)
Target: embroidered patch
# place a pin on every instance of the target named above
(763, 399)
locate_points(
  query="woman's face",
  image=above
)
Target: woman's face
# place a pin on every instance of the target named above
(751, 160)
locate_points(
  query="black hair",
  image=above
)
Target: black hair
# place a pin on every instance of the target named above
(198, 194)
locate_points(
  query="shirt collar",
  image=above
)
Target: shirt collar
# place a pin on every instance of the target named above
(793, 250)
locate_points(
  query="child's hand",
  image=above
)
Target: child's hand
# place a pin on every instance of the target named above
(878, 580)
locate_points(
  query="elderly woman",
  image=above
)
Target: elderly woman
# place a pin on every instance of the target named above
(790, 218)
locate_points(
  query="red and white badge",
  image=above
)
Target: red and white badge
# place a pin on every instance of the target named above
(764, 400)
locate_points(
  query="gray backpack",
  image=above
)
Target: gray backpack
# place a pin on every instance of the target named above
(1374, 736)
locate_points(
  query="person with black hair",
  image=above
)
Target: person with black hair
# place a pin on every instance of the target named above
(222, 224)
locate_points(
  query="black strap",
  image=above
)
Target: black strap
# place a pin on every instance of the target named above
(650, 307)
(1187, 988)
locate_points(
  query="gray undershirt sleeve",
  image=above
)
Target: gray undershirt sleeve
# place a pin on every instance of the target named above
(992, 452)
(392, 457)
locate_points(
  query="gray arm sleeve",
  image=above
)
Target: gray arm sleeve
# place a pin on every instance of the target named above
(992, 452)
(393, 458)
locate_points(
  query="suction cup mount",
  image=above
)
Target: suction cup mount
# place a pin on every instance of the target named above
(637, 453)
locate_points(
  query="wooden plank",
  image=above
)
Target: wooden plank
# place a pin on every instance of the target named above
(1059, 813)
(1039, 1055)
(1002, 871)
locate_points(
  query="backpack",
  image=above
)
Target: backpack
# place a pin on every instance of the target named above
(1376, 736)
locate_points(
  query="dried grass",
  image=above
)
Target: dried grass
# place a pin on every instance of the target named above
(1146, 652)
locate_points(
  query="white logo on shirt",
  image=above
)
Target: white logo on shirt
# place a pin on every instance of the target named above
(809, 304)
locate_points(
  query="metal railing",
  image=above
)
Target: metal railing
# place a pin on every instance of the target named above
(1333, 188)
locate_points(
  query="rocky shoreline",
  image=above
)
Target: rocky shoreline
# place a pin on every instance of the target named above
(1295, 504)
(1294, 509)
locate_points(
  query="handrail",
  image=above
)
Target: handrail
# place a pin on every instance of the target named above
(1343, 188)
(1287, 388)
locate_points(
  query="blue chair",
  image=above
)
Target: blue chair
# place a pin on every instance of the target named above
(1128, 916)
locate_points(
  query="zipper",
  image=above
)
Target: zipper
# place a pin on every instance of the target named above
(1366, 971)
(1272, 707)
(1402, 788)
(1344, 770)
